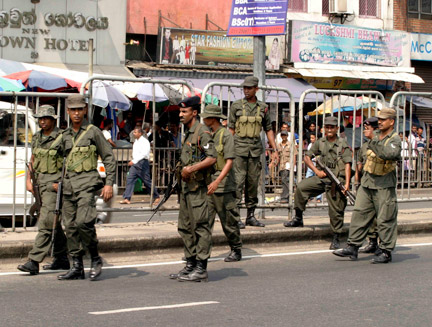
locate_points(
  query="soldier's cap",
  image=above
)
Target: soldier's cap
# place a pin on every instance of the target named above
(46, 111)
(75, 101)
(332, 120)
(387, 113)
(372, 121)
(193, 102)
(284, 133)
(250, 81)
(212, 111)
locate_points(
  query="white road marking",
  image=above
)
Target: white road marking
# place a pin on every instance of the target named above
(172, 306)
(166, 263)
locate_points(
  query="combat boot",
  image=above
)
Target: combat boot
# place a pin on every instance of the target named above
(350, 251)
(30, 266)
(335, 244)
(76, 272)
(235, 255)
(384, 257)
(199, 274)
(59, 263)
(251, 220)
(190, 265)
(241, 225)
(297, 220)
(95, 268)
(371, 247)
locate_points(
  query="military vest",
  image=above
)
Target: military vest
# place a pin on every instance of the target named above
(332, 160)
(47, 161)
(249, 126)
(375, 165)
(220, 162)
(82, 158)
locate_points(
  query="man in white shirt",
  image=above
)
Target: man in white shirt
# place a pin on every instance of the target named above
(139, 167)
(108, 125)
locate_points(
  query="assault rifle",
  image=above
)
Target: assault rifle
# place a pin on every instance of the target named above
(170, 190)
(34, 211)
(58, 207)
(335, 180)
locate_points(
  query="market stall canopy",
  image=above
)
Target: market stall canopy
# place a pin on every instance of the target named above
(104, 95)
(10, 85)
(295, 86)
(420, 101)
(43, 80)
(345, 103)
(142, 91)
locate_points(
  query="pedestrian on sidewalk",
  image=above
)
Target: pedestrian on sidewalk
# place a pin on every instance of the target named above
(139, 167)
(46, 159)
(84, 143)
(337, 156)
(376, 196)
(284, 150)
(107, 126)
(222, 190)
(197, 157)
(248, 117)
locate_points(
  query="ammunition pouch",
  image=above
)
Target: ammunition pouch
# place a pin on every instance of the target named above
(47, 161)
(377, 166)
(82, 158)
(249, 126)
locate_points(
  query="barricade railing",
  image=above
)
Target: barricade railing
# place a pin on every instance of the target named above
(227, 96)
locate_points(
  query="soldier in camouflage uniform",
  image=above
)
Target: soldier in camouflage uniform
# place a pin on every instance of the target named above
(197, 157)
(377, 193)
(47, 159)
(336, 155)
(246, 119)
(83, 143)
(222, 190)
(370, 125)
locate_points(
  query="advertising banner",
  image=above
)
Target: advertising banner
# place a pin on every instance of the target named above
(421, 47)
(214, 48)
(313, 42)
(257, 17)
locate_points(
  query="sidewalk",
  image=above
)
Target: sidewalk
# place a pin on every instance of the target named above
(131, 237)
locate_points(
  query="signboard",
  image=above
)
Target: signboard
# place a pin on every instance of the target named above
(314, 42)
(42, 32)
(349, 83)
(214, 48)
(421, 47)
(257, 17)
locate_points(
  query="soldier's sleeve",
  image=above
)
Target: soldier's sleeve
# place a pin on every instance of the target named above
(267, 124)
(347, 152)
(228, 143)
(390, 151)
(361, 159)
(314, 150)
(105, 151)
(232, 115)
(207, 144)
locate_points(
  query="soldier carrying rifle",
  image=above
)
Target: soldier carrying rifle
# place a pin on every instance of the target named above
(46, 162)
(335, 154)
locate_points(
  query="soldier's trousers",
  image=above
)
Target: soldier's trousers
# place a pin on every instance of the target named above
(370, 203)
(45, 224)
(225, 205)
(79, 217)
(314, 186)
(247, 174)
(193, 224)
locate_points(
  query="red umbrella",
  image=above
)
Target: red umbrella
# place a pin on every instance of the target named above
(43, 80)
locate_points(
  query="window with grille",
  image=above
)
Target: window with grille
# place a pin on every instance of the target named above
(421, 9)
(325, 7)
(297, 5)
(368, 8)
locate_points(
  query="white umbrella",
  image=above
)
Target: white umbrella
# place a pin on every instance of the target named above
(105, 94)
(145, 93)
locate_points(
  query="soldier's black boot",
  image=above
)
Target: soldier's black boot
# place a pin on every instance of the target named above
(199, 274)
(30, 266)
(350, 251)
(371, 247)
(96, 263)
(384, 257)
(251, 220)
(190, 265)
(296, 221)
(235, 255)
(335, 244)
(76, 272)
(241, 225)
(59, 263)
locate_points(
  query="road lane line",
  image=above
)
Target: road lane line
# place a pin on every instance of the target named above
(172, 306)
(167, 263)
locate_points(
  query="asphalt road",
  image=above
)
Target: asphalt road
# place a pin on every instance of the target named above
(300, 285)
